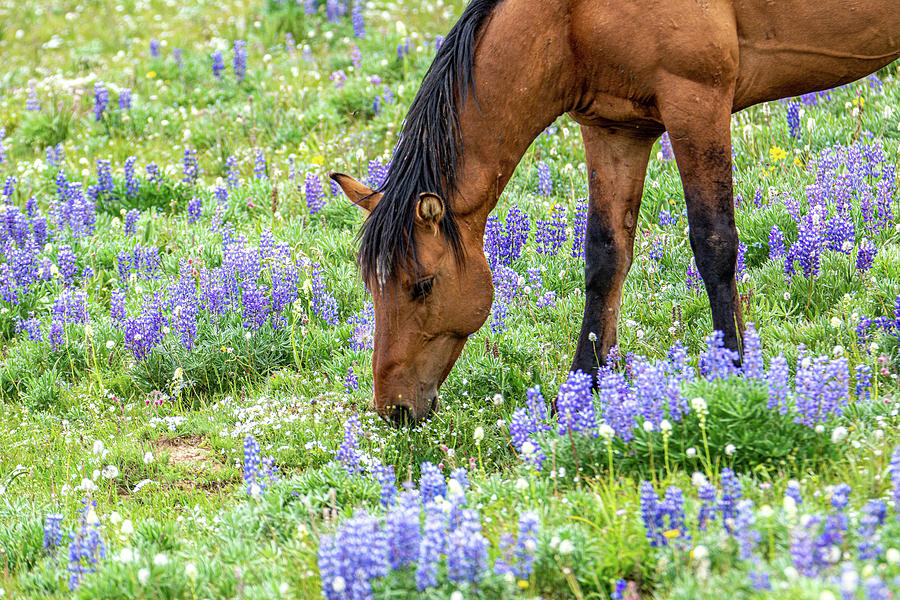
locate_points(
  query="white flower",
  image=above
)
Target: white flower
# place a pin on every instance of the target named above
(110, 344)
(126, 555)
(691, 452)
(827, 595)
(892, 556)
(127, 527)
(835, 322)
(110, 471)
(648, 426)
(786, 296)
(283, 588)
(791, 574)
(478, 434)
(190, 570)
(454, 488)
(790, 506)
(498, 399)
(91, 517)
(160, 560)
(606, 432)
(115, 518)
(338, 585)
(699, 553)
(837, 351)
(698, 479)
(730, 450)
(144, 576)
(98, 447)
(148, 457)
(87, 485)
(766, 511)
(820, 429)
(255, 490)
(528, 448)
(592, 336)
(457, 595)
(698, 405)
(89, 331)
(521, 484)
(665, 426)
(566, 547)
(839, 434)
(849, 580)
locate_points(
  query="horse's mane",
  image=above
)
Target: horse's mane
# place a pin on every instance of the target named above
(426, 157)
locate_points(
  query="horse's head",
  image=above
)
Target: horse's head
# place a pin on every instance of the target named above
(424, 311)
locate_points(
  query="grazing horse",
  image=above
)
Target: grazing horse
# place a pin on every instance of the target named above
(626, 71)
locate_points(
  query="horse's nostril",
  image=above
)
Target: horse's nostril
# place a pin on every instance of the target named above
(400, 415)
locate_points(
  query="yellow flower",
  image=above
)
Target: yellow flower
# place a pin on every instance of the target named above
(859, 101)
(798, 162)
(777, 153)
(671, 534)
(523, 584)
(318, 160)
(151, 74)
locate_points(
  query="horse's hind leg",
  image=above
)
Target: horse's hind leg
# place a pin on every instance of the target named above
(617, 164)
(698, 119)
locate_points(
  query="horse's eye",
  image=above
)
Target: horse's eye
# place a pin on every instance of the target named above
(422, 288)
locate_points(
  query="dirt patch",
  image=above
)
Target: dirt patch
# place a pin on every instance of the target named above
(189, 451)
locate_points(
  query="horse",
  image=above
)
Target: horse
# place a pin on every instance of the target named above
(626, 72)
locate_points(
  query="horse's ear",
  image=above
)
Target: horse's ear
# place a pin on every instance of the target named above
(359, 194)
(429, 210)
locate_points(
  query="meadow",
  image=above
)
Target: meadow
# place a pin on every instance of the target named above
(185, 377)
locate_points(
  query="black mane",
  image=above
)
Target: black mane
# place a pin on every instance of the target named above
(426, 157)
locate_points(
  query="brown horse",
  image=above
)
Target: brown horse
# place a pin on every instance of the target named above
(626, 71)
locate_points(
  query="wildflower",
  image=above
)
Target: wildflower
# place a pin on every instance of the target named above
(52, 531)
(218, 64)
(545, 182)
(315, 197)
(348, 453)
(101, 100)
(575, 405)
(550, 234)
(239, 64)
(86, 548)
(359, 22)
(777, 154)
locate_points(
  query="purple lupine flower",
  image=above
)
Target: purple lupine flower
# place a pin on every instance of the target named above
(32, 327)
(105, 183)
(431, 483)
(348, 453)
(873, 516)
(218, 64)
(132, 185)
(433, 544)
(117, 305)
(195, 205)
(693, 277)
(178, 57)
(863, 382)
(579, 227)
(239, 63)
(351, 558)
(753, 359)
(101, 100)
(793, 119)
(667, 218)
(545, 180)
(131, 219)
(779, 386)
(339, 78)
(191, 167)
(53, 535)
(351, 382)
(186, 306)
(894, 470)
(665, 147)
(378, 173)
(86, 549)
(821, 388)
(526, 544)
(388, 482)
(504, 243)
(153, 174)
(363, 335)
(741, 265)
(402, 528)
(32, 104)
(671, 511)
(154, 48)
(125, 99)
(231, 173)
(744, 520)
(259, 165)
(550, 234)
(359, 21)
(575, 405)
(315, 197)
(289, 44)
(776, 243)
(803, 548)
(707, 495)
(403, 49)
(651, 515)
(793, 492)
(506, 288)
(717, 361)
(731, 494)
(466, 549)
(807, 250)
(324, 304)
(865, 256)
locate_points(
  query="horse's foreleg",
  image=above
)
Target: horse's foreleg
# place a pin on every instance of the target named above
(617, 164)
(698, 118)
